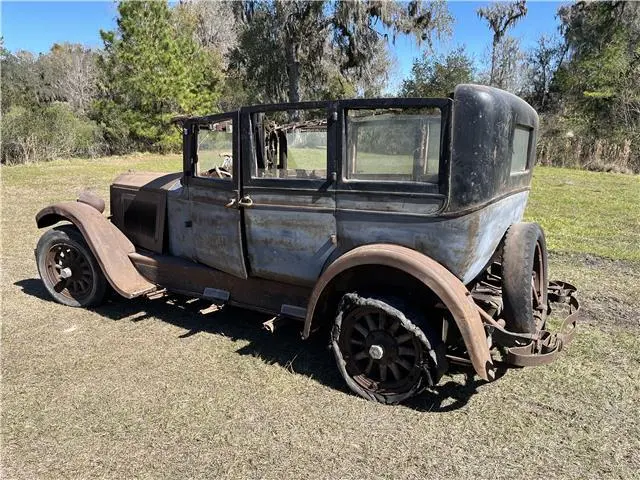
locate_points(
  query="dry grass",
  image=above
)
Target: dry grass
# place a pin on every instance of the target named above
(146, 389)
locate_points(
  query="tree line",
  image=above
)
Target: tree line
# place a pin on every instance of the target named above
(197, 57)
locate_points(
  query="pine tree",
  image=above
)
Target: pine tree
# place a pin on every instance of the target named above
(152, 69)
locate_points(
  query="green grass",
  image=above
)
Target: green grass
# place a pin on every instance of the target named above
(208, 159)
(155, 389)
(307, 158)
(587, 212)
(90, 172)
(316, 158)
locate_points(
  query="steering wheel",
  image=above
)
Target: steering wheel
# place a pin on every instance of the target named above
(221, 172)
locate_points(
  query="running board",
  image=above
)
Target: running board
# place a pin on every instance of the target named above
(299, 313)
(183, 276)
(215, 294)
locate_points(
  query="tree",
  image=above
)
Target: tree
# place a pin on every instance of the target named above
(599, 75)
(275, 40)
(500, 17)
(71, 72)
(151, 71)
(510, 67)
(212, 22)
(25, 81)
(43, 103)
(542, 63)
(371, 78)
(368, 81)
(283, 45)
(438, 76)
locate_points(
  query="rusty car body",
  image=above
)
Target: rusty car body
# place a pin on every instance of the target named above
(394, 224)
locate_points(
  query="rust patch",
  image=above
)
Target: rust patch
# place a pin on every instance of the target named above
(453, 294)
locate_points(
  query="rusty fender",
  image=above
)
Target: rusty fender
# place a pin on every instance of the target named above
(453, 294)
(108, 244)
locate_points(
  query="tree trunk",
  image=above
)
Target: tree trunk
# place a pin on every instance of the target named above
(493, 61)
(293, 74)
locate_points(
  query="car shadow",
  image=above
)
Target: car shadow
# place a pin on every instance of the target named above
(284, 347)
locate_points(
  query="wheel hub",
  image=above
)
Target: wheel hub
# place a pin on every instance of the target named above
(69, 271)
(376, 352)
(381, 346)
(66, 273)
(381, 353)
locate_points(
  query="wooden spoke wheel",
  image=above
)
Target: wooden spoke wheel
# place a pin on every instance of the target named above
(68, 269)
(383, 355)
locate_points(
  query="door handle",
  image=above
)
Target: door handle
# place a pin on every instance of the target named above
(245, 201)
(231, 203)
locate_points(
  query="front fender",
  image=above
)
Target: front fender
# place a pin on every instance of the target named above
(108, 244)
(451, 291)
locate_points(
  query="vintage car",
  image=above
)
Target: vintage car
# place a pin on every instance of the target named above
(393, 225)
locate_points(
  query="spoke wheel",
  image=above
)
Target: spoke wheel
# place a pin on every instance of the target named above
(524, 278)
(69, 272)
(68, 269)
(539, 287)
(382, 354)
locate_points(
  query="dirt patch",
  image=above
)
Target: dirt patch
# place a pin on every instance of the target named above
(608, 289)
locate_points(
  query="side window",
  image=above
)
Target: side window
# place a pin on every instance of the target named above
(215, 150)
(290, 144)
(520, 151)
(393, 144)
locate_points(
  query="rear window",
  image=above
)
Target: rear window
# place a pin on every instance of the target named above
(390, 144)
(520, 153)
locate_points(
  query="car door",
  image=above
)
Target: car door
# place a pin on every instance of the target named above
(392, 172)
(213, 184)
(288, 195)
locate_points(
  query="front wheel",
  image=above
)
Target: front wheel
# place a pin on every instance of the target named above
(68, 269)
(381, 351)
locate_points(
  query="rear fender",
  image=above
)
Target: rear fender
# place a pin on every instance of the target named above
(451, 291)
(108, 244)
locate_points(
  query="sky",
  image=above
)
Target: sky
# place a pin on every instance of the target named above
(35, 26)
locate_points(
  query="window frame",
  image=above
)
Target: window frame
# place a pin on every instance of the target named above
(528, 156)
(190, 150)
(249, 153)
(439, 188)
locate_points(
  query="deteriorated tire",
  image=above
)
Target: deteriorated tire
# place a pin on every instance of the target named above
(524, 278)
(381, 352)
(68, 269)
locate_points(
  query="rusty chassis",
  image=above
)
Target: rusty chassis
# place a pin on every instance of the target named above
(541, 348)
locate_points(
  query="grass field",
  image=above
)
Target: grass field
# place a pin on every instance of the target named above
(148, 389)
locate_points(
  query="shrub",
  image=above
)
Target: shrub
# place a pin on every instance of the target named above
(44, 133)
(581, 151)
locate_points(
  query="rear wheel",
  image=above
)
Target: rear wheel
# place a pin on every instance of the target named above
(68, 269)
(524, 278)
(381, 351)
